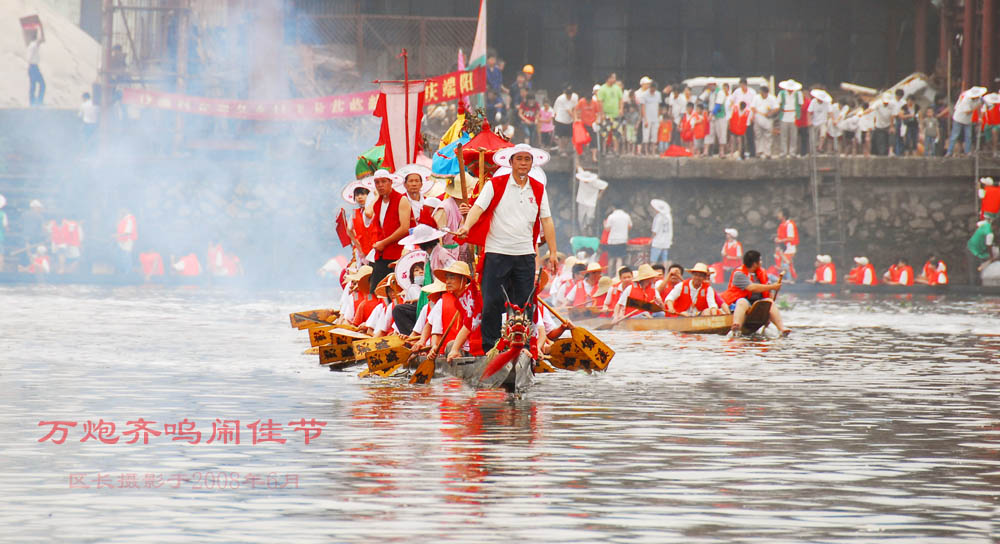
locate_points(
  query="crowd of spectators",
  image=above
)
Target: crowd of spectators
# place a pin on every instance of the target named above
(738, 120)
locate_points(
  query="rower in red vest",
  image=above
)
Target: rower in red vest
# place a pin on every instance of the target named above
(615, 291)
(826, 272)
(363, 301)
(862, 274)
(462, 305)
(601, 296)
(415, 181)
(66, 239)
(693, 296)
(989, 194)
(747, 285)
(581, 292)
(788, 234)
(187, 265)
(642, 290)
(151, 263)
(900, 273)
(935, 272)
(391, 211)
(732, 252)
(40, 262)
(362, 229)
(673, 276)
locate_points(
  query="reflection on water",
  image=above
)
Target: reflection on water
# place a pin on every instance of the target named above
(878, 418)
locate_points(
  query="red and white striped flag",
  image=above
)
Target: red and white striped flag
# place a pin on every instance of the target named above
(401, 116)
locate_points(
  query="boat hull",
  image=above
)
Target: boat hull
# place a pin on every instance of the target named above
(515, 376)
(708, 324)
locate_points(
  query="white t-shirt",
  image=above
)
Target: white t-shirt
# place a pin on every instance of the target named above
(964, 108)
(618, 224)
(883, 114)
(33, 56)
(88, 112)
(679, 108)
(421, 322)
(563, 108)
(663, 231)
(588, 191)
(762, 105)
(818, 111)
(739, 95)
(513, 218)
(375, 318)
(347, 305)
(650, 98)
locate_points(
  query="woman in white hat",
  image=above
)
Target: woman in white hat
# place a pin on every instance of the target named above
(968, 102)
(507, 220)
(819, 110)
(732, 252)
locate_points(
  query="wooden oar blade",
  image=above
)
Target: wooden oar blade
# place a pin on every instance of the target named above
(424, 372)
(335, 353)
(564, 355)
(381, 361)
(596, 350)
(309, 318)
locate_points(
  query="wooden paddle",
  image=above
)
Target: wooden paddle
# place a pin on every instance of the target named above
(585, 341)
(425, 371)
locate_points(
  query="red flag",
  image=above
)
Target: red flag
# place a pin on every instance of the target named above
(400, 132)
(345, 238)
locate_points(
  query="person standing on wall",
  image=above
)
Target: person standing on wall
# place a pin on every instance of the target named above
(36, 83)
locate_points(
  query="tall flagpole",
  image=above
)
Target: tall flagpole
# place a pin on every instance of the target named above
(406, 103)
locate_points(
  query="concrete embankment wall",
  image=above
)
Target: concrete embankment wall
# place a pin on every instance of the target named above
(891, 207)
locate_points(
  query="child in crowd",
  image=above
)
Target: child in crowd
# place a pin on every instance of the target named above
(665, 132)
(910, 114)
(688, 122)
(701, 128)
(631, 127)
(929, 126)
(546, 125)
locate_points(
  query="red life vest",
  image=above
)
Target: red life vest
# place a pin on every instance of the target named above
(57, 235)
(941, 277)
(738, 121)
(426, 216)
(733, 293)
(191, 266)
(364, 310)
(819, 277)
(478, 232)
(684, 301)
(392, 251)
(783, 231)
(582, 294)
(732, 254)
(992, 116)
(152, 264)
(124, 225)
(804, 120)
(616, 293)
(907, 271)
(71, 233)
(867, 270)
(472, 310)
(687, 127)
(701, 127)
(930, 272)
(893, 273)
(41, 264)
(231, 265)
(991, 200)
(366, 235)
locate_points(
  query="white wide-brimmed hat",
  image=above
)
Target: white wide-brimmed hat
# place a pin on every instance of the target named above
(732, 232)
(35, 204)
(825, 259)
(538, 156)
(861, 260)
(586, 175)
(886, 97)
(699, 267)
(660, 206)
(348, 192)
(985, 181)
(593, 267)
(421, 234)
(535, 172)
(360, 273)
(420, 170)
(603, 286)
(3, 201)
(456, 267)
(645, 80)
(976, 92)
(992, 98)
(821, 95)
(790, 85)
(383, 173)
(596, 88)
(403, 266)
(436, 287)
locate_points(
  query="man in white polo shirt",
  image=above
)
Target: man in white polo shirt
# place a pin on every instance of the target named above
(507, 218)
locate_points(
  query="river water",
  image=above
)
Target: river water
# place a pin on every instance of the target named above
(879, 418)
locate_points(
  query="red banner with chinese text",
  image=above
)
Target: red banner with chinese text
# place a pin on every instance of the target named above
(439, 89)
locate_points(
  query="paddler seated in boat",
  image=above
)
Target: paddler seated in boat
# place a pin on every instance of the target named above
(862, 274)
(900, 273)
(747, 285)
(415, 181)
(422, 327)
(673, 277)
(826, 272)
(420, 265)
(625, 276)
(379, 322)
(642, 291)
(582, 291)
(460, 307)
(561, 298)
(693, 296)
(363, 300)
(605, 286)
(935, 272)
